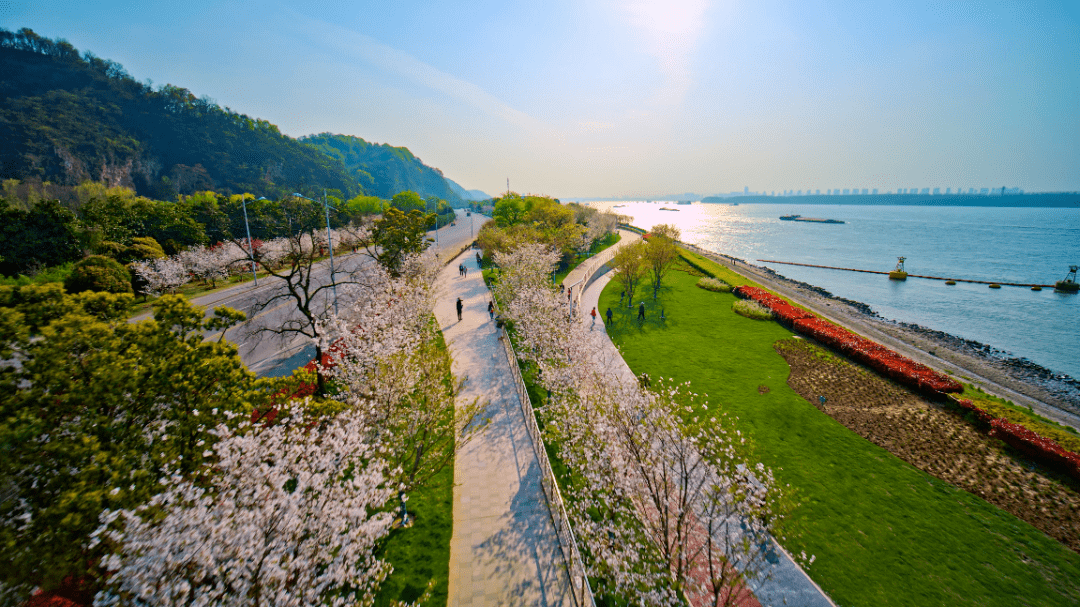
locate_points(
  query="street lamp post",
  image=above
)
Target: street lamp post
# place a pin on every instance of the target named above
(329, 242)
(251, 249)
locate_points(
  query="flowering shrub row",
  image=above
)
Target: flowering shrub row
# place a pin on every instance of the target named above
(1024, 440)
(786, 313)
(872, 354)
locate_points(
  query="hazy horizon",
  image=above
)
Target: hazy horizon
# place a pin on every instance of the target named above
(637, 99)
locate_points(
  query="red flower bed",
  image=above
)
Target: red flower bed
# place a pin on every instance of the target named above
(1026, 441)
(872, 354)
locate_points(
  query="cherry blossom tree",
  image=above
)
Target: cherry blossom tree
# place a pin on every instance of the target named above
(390, 367)
(286, 514)
(164, 275)
(661, 490)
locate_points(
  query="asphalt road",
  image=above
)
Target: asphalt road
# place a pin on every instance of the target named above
(271, 355)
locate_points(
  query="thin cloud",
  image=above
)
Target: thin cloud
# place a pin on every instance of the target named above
(393, 61)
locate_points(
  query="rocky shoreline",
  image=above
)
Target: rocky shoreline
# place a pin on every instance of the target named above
(1052, 395)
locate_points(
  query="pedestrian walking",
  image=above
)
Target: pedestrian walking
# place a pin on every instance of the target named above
(464, 271)
(593, 314)
(460, 307)
(460, 269)
(641, 311)
(608, 314)
(491, 309)
(479, 261)
(622, 296)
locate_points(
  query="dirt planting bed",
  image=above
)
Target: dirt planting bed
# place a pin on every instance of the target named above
(935, 440)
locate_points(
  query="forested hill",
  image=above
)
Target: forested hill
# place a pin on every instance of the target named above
(67, 118)
(382, 169)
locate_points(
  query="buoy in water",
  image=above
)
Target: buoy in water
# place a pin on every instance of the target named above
(1036, 288)
(995, 285)
(950, 282)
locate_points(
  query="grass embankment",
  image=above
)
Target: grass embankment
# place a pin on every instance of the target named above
(999, 407)
(884, 533)
(422, 552)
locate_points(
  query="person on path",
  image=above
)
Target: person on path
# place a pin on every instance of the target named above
(460, 307)
(491, 309)
(641, 311)
(479, 261)
(464, 271)
(608, 314)
(593, 314)
(460, 269)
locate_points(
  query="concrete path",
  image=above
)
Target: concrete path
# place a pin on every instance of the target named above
(504, 550)
(789, 584)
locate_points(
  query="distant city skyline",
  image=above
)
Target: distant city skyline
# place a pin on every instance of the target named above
(590, 99)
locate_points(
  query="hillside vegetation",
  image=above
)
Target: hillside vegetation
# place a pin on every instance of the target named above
(67, 118)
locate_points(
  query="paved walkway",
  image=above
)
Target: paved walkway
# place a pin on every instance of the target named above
(504, 550)
(789, 584)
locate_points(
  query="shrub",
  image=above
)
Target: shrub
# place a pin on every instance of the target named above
(751, 309)
(714, 284)
(99, 273)
(141, 249)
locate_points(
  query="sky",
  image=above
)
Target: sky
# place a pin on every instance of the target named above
(596, 98)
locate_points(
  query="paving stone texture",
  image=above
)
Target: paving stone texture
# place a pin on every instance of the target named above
(504, 549)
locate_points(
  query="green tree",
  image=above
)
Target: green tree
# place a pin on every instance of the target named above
(629, 267)
(99, 273)
(661, 253)
(398, 235)
(509, 210)
(141, 249)
(99, 410)
(46, 235)
(408, 201)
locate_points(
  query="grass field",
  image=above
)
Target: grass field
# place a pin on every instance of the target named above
(883, 532)
(422, 552)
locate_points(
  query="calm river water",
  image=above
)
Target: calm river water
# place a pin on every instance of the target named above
(1021, 245)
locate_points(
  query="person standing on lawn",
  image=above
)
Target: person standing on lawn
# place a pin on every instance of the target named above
(608, 314)
(641, 311)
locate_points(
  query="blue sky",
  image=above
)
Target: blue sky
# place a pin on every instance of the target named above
(642, 98)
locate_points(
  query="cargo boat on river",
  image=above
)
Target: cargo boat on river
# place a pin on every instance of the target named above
(809, 219)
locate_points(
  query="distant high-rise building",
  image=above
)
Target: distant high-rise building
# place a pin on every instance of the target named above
(984, 191)
(971, 190)
(937, 191)
(846, 191)
(865, 191)
(817, 192)
(874, 192)
(925, 191)
(746, 190)
(948, 191)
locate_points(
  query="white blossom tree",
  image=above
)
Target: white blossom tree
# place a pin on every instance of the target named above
(389, 366)
(164, 275)
(661, 490)
(287, 514)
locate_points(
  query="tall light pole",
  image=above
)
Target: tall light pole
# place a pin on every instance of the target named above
(435, 201)
(329, 242)
(251, 249)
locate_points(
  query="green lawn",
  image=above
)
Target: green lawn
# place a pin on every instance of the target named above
(422, 552)
(883, 532)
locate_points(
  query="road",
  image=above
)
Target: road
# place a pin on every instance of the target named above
(277, 356)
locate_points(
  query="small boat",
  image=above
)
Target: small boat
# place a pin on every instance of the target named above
(667, 209)
(808, 219)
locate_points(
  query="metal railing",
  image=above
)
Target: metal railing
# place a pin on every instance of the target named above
(580, 589)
